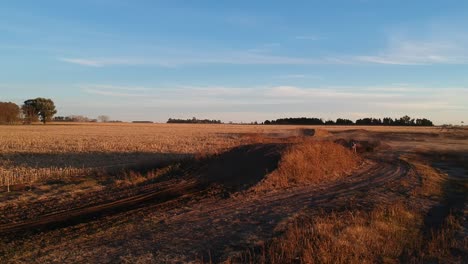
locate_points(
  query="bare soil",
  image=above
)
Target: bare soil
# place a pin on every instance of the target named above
(205, 209)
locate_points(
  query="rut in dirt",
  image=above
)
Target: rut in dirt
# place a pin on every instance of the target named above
(235, 170)
(230, 221)
(220, 227)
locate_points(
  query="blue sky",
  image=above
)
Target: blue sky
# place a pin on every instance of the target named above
(238, 60)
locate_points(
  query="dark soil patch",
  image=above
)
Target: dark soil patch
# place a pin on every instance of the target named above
(241, 167)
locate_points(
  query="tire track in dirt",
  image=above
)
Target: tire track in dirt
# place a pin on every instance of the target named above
(240, 222)
(83, 214)
(219, 170)
(222, 225)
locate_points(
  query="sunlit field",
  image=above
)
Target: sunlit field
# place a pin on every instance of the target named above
(36, 152)
(186, 192)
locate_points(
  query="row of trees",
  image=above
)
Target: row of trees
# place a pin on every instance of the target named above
(74, 118)
(40, 109)
(370, 121)
(192, 121)
(43, 109)
(82, 119)
(402, 121)
(32, 110)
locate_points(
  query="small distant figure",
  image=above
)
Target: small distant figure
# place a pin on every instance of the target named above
(354, 147)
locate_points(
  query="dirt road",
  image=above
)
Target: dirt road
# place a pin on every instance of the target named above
(201, 218)
(218, 226)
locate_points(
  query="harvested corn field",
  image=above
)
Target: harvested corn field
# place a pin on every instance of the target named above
(245, 194)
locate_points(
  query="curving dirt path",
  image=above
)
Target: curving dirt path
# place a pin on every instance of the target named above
(196, 181)
(186, 220)
(82, 214)
(221, 227)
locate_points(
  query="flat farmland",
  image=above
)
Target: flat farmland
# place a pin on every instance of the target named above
(171, 193)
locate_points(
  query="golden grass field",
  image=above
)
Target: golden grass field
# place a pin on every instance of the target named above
(155, 138)
(175, 193)
(36, 152)
(39, 152)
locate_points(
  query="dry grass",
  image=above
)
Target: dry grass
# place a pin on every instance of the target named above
(392, 233)
(161, 138)
(431, 185)
(122, 138)
(381, 235)
(387, 234)
(311, 162)
(35, 153)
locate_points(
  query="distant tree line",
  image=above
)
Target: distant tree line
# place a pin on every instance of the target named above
(192, 121)
(85, 119)
(370, 121)
(40, 109)
(74, 118)
(33, 110)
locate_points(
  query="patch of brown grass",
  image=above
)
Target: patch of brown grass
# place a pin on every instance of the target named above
(310, 162)
(444, 241)
(431, 180)
(386, 234)
(381, 235)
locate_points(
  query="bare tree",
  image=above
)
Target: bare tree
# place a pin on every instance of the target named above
(103, 118)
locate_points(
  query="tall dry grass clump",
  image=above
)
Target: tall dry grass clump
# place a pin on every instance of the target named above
(311, 162)
(382, 235)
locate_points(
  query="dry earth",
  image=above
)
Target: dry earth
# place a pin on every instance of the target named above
(209, 207)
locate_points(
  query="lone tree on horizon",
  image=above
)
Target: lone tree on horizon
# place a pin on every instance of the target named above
(103, 118)
(39, 108)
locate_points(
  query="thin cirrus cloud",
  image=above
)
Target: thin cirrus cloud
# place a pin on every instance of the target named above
(222, 102)
(239, 58)
(299, 76)
(438, 50)
(83, 62)
(401, 53)
(308, 37)
(451, 49)
(101, 62)
(297, 92)
(433, 105)
(276, 93)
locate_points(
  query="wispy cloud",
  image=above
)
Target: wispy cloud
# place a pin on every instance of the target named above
(239, 58)
(112, 93)
(265, 100)
(308, 37)
(437, 50)
(265, 48)
(298, 76)
(83, 62)
(433, 105)
(242, 20)
(113, 87)
(330, 93)
(278, 93)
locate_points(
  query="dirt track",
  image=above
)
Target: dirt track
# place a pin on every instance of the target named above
(186, 220)
(219, 225)
(81, 214)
